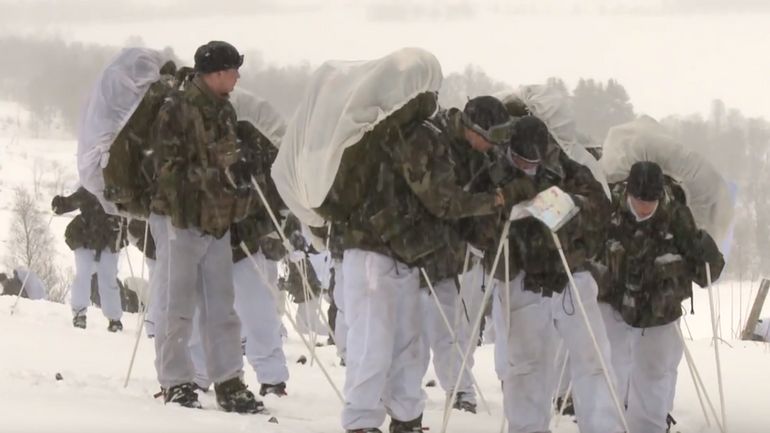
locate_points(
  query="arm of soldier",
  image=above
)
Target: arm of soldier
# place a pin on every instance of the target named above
(595, 207)
(697, 246)
(63, 204)
(424, 164)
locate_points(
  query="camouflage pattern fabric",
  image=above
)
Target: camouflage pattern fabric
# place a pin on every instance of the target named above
(194, 145)
(137, 229)
(93, 228)
(129, 175)
(532, 248)
(652, 264)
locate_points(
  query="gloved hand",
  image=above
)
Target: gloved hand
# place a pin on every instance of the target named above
(57, 205)
(518, 190)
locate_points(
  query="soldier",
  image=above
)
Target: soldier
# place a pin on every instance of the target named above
(654, 254)
(194, 145)
(465, 137)
(34, 288)
(539, 296)
(408, 221)
(95, 238)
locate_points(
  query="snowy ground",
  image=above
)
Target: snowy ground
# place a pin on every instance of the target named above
(39, 341)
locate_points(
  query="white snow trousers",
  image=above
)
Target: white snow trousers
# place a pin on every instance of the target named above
(385, 354)
(340, 327)
(461, 310)
(106, 275)
(261, 323)
(647, 361)
(192, 270)
(528, 381)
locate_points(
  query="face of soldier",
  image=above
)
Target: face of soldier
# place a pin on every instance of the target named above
(528, 167)
(223, 82)
(642, 210)
(478, 143)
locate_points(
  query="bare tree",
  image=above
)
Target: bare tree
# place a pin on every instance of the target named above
(30, 243)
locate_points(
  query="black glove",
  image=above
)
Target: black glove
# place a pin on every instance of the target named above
(57, 205)
(518, 190)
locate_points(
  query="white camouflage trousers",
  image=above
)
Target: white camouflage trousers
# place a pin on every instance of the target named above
(461, 311)
(646, 363)
(193, 270)
(384, 348)
(106, 275)
(528, 379)
(257, 308)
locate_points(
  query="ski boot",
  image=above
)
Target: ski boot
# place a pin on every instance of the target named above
(234, 396)
(413, 426)
(114, 326)
(670, 421)
(364, 430)
(278, 389)
(79, 321)
(569, 407)
(183, 395)
(464, 402)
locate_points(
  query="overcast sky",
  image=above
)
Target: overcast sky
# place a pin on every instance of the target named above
(673, 56)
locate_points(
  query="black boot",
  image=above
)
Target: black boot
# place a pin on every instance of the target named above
(183, 395)
(114, 326)
(364, 430)
(462, 402)
(79, 321)
(413, 426)
(669, 422)
(278, 389)
(234, 396)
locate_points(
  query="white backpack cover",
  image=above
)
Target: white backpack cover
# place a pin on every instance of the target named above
(344, 100)
(644, 139)
(260, 113)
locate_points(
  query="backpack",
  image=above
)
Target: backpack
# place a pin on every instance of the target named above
(361, 161)
(128, 174)
(112, 138)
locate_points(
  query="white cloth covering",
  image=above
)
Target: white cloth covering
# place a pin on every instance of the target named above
(644, 139)
(260, 113)
(344, 100)
(34, 287)
(117, 93)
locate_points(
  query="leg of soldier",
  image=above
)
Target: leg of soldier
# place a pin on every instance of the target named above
(526, 377)
(341, 327)
(81, 285)
(620, 336)
(150, 308)
(371, 290)
(174, 281)
(258, 312)
(657, 354)
(404, 395)
(109, 293)
(500, 339)
(446, 360)
(595, 409)
(472, 297)
(197, 354)
(220, 326)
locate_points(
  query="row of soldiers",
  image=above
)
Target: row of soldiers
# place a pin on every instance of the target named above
(435, 206)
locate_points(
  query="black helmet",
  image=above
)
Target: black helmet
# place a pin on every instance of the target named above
(487, 116)
(217, 56)
(645, 181)
(529, 139)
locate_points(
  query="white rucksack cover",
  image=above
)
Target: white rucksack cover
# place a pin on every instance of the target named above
(118, 91)
(344, 100)
(553, 107)
(260, 113)
(644, 139)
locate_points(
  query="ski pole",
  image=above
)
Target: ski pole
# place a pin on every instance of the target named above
(716, 348)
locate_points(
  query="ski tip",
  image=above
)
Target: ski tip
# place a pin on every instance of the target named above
(273, 420)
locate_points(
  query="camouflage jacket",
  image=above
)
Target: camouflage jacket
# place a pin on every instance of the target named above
(532, 249)
(92, 229)
(415, 199)
(194, 145)
(652, 264)
(257, 231)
